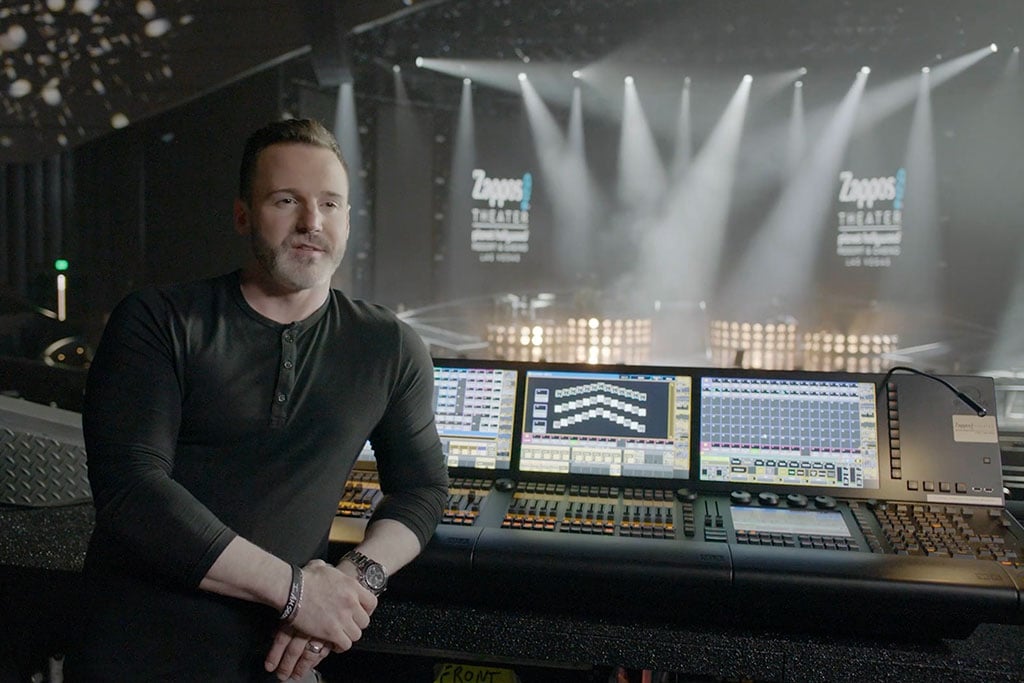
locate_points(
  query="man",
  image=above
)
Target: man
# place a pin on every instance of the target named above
(222, 418)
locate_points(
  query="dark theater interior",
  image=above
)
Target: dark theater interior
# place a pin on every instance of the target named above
(724, 301)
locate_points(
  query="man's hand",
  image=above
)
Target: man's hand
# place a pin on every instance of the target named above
(334, 611)
(293, 655)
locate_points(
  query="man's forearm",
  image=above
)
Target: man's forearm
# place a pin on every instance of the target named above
(389, 542)
(246, 571)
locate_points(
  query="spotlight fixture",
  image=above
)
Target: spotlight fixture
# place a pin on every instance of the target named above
(522, 76)
(629, 80)
(798, 84)
(686, 81)
(1016, 50)
(925, 70)
(865, 70)
(396, 69)
(803, 71)
(467, 81)
(577, 74)
(994, 47)
(747, 78)
(419, 61)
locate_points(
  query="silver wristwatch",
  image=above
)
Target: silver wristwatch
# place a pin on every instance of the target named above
(371, 574)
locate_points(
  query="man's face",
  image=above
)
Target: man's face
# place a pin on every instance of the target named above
(297, 217)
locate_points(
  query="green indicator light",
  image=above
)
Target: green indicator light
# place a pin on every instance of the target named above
(60, 264)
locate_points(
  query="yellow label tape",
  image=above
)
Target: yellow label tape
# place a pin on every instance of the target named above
(471, 673)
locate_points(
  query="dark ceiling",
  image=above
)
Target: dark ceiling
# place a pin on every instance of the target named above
(753, 35)
(73, 70)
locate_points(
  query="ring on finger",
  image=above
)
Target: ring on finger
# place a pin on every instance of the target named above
(315, 647)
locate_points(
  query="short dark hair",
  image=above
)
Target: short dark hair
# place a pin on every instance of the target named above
(301, 131)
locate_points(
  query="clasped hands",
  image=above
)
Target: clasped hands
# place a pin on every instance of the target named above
(334, 610)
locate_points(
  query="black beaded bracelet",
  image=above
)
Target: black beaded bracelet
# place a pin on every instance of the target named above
(291, 607)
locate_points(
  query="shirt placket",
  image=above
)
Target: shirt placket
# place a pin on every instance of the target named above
(280, 408)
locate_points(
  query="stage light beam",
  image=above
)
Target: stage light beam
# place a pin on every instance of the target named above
(912, 282)
(460, 187)
(571, 189)
(641, 172)
(788, 240)
(694, 213)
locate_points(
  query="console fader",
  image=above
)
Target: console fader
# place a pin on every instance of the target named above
(735, 495)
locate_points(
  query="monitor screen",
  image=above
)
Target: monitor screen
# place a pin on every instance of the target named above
(366, 455)
(474, 409)
(612, 423)
(798, 432)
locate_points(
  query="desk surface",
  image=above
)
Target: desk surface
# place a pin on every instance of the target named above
(56, 538)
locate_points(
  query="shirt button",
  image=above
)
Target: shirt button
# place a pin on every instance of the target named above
(288, 365)
(288, 337)
(281, 398)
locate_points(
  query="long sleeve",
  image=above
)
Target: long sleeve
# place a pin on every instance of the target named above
(131, 420)
(413, 474)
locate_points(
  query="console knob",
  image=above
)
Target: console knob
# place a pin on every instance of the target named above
(796, 500)
(824, 502)
(740, 497)
(768, 498)
(685, 495)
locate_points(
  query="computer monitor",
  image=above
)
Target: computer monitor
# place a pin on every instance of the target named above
(816, 432)
(618, 423)
(474, 409)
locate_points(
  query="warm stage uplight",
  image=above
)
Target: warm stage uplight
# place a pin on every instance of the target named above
(826, 351)
(765, 346)
(574, 340)
(780, 346)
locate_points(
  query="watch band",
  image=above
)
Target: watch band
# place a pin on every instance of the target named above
(371, 574)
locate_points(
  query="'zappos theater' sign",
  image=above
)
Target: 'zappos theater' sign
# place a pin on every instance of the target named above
(500, 231)
(870, 219)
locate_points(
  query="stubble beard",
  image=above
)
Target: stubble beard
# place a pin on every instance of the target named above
(295, 270)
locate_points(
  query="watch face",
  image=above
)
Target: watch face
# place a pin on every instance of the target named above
(375, 576)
